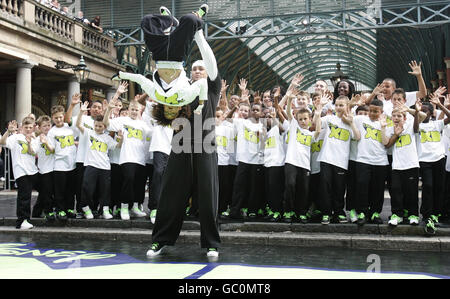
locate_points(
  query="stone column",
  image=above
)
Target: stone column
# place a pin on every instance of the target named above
(23, 89)
(447, 63)
(73, 88)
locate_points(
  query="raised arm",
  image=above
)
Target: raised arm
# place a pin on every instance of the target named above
(83, 108)
(435, 100)
(416, 70)
(207, 55)
(76, 100)
(12, 127)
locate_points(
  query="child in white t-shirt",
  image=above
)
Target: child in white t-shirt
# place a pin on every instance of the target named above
(132, 156)
(333, 158)
(61, 138)
(97, 174)
(371, 164)
(24, 168)
(226, 158)
(405, 168)
(274, 134)
(249, 177)
(46, 160)
(431, 152)
(298, 162)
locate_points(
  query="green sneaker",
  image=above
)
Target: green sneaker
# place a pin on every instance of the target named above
(260, 212)
(288, 217)
(71, 214)
(413, 220)
(342, 219)
(395, 220)
(61, 215)
(164, 11)
(50, 216)
(153, 216)
(303, 219)
(353, 216)
(203, 10)
(275, 217)
(435, 219)
(375, 218)
(361, 219)
(244, 212)
(155, 250)
(325, 219)
(430, 228)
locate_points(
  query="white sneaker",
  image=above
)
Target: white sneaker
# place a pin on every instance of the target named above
(212, 252)
(124, 214)
(395, 220)
(87, 213)
(106, 213)
(136, 212)
(413, 220)
(26, 225)
(2, 179)
(155, 250)
(153, 216)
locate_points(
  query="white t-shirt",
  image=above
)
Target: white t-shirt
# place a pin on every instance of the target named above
(161, 139)
(114, 154)
(275, 150)
(404, 152)
(316, 147)
(87, 122)
(370, 147)
(226, 144)
(135, 133)
(63, 141)
(298, 151)
(430, 147)
(446, 141)
(336, 145)
(248, 149)
(45, 158)
(97, 152)
(23, 163)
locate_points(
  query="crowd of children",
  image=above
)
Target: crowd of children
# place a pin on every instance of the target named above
(282, 156)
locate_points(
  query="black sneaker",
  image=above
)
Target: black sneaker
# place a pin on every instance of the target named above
(61, 215)
(155, 250)
(430, 228)
(50, 216)
(71, 214)
(361, 219)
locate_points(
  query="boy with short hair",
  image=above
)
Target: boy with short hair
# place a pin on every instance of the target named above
(431, 152)
(97, 172)
(371, 164)
(333, 157)
(298, 162)
(45, 162)
(24, 168)
(61, 138)
(405, 168)
(132, 155)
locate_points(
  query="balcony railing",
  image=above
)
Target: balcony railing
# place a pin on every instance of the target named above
(35, 15)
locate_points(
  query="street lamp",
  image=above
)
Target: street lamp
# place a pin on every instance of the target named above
(338, 75)
(81, 70)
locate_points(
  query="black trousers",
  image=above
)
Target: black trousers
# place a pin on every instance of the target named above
(25, 185)
(350, 194)
(159, 165)
(133, 183)
(64, 189)
(96, 181)
(248, 191)
(446, 203)
(44, 202)
(296, 192)
(275, 184)
(79, 184)
(314, 191)
(332, 185)
(433, 187)
(171, 47)
(227, 173)
(116, 185)
(188, 175)
(405, 189)
(370, 182)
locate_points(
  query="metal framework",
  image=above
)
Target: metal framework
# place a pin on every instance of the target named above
(306, 36)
